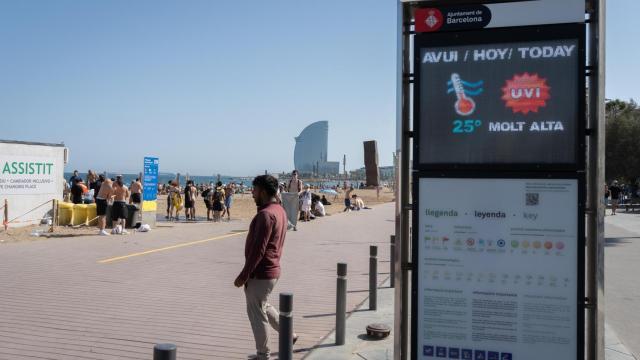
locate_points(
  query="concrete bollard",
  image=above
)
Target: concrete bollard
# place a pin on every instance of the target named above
(341, 304)
(373, 277)
(164, 352)
(285, 340)
(392, 262)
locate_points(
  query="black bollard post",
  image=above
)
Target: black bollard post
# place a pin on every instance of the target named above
(341, 303)
(392, 262)
(164, 352)
(285, 348)
(373, 277)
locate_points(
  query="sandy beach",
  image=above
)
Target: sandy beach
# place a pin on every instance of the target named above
(243, 208)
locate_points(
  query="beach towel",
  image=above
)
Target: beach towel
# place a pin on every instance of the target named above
(176, 200)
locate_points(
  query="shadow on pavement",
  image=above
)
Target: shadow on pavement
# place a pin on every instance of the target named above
(319, 346)
(332, 314)
(617, 241)
(366, 337)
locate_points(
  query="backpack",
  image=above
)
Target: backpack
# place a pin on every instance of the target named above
(217, 195)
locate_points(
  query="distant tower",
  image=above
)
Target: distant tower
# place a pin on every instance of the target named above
(310, 153)
(344, 165)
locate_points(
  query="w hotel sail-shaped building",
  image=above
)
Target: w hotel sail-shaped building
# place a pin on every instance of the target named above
(310, 154)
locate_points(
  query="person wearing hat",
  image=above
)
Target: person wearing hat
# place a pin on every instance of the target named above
(615, 191)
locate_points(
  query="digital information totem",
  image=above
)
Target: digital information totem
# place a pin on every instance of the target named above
(498, 187)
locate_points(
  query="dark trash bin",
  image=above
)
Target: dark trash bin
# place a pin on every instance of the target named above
(133, 216)
(107, 217)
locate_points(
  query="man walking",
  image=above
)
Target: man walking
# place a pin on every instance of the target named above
(347, 198)
(615, 190)
(263, 250)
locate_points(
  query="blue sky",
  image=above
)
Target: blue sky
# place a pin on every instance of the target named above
(216, 86)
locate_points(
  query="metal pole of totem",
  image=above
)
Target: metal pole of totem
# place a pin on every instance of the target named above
(595, 181)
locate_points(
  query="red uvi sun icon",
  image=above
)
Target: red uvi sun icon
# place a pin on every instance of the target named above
(526, 93)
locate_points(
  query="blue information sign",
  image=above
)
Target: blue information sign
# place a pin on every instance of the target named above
(150, 179)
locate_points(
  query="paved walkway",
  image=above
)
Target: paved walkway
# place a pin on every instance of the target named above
(622, 284)
(113, 297)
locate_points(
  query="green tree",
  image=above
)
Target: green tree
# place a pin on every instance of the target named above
(622, 153)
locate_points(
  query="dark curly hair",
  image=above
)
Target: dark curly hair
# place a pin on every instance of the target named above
(268, 183)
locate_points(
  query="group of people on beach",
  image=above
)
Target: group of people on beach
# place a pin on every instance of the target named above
(311, 205)
(81, 192)
(218, 200)
(103, 192)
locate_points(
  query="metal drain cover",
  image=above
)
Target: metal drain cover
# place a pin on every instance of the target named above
(378, 331)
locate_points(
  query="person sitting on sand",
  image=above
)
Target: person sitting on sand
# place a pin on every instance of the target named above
(325, 201)
(357, 203)
(318, 209)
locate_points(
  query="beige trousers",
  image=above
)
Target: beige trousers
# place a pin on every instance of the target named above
(261, 314)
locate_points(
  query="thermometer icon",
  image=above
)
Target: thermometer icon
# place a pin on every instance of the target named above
(464, 105)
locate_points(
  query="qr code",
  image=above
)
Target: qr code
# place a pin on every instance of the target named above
(533, 199)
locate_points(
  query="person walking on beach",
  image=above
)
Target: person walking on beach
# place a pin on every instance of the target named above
(104, 195)
(218, 201)
(136, 192)
(261, 271)
(207, 196)
(190, 201)
(295, 186)
(119, 207)
(347, 199)
(229, 190)
(187, 201)
(174, 201)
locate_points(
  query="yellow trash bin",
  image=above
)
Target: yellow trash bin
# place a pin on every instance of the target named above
(92, 214)
(65, 213)
(79, 214)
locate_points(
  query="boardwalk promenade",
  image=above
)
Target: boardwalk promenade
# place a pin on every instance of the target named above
(113, 297)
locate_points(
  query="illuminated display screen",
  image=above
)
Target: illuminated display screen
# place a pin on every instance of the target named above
(498, 103)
